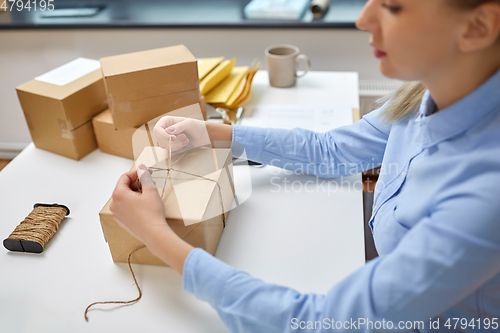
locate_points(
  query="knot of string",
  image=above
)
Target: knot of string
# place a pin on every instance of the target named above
(169, 176)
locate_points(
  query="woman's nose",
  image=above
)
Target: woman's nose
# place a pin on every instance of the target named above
(367, 20)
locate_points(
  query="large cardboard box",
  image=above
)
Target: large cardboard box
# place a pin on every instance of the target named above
(144, 85)
(59, 114)
(121, 142)
(195, 207)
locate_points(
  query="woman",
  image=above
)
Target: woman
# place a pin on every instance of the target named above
(435, 219)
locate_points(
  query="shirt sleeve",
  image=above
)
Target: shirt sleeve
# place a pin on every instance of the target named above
(439, 262)
(343, 151)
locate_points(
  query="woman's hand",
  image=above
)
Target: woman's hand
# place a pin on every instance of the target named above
(143, 216)
(184, 131)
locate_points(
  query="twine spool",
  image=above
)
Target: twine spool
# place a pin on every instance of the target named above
(37, 229)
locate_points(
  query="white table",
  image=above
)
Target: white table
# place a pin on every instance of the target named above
(308, 240)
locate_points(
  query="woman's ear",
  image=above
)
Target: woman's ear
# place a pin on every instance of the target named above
(482, 28)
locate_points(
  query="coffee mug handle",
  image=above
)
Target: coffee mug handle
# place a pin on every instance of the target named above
(306, 61)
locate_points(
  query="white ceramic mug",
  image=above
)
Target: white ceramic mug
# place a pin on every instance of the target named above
(282, 63)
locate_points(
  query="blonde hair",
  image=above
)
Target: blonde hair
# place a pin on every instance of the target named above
(405, 101)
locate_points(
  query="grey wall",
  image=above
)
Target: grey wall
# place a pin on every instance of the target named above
(25, 54)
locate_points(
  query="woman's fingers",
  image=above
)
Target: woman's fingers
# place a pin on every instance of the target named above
(178, 141)
(168, 121)
(181, 137)
(161, 136)
(179, 127)
(180, 132)
(134, 185)
(123, 189)
(132, 175)
(126, 180)
(145, 178)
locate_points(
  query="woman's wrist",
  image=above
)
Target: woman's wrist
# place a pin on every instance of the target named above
(170, 248)
(220, 133)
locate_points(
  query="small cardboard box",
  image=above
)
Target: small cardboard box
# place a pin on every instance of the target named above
(109, 139)
(144, 85)
(194, 206)
(120, 142)
(59, 113)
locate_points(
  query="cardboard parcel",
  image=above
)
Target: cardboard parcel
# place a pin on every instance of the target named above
(59, 106)
(144, 85)
(197, 193)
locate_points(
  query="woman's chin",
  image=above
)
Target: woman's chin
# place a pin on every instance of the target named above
(387, 71)
(391, 73)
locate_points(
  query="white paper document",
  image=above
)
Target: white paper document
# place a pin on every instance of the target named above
(314, 118)
(70, 72)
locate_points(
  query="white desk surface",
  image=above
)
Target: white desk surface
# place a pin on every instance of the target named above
(308, 240)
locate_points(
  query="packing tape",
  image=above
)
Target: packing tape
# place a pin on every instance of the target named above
(111, 103)
(66, 132)
(123, 107)
(64, 128)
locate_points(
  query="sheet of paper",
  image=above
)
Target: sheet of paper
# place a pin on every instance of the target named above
(70, 72)
(314, 118)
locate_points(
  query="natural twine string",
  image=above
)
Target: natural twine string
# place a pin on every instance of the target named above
(170, 165)
(139, 188)
(40, 225)
(202, 177)
(169, 148)
(121, 302)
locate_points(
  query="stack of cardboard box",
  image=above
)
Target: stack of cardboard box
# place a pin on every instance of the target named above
(199, 192)
(64, 107)
(60, 105)
(142, 86)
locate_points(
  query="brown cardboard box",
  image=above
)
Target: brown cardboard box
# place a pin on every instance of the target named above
(109, 139)
(203, 106)
(59, 117)
(144, 85)
(120, 141)
(192, 205)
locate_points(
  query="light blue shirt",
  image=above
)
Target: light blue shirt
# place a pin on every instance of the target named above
(435, 222)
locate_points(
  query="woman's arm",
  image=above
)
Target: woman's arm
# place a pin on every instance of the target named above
(219, 133)
(446, 257)
(342, 151)
(443, 259)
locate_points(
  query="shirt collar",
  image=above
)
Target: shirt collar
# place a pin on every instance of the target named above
(459, 116)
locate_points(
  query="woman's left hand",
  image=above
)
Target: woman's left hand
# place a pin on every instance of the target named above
(143, 216)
